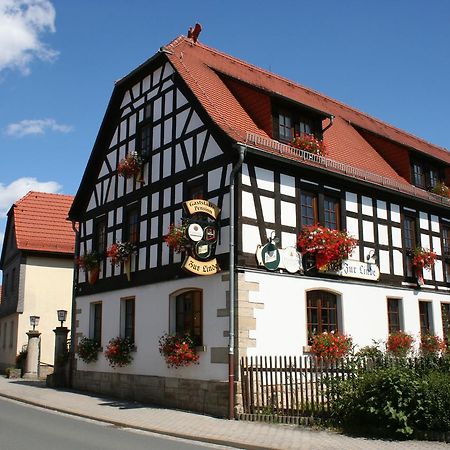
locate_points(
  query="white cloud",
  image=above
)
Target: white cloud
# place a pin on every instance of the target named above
(22, 22)
(18, 188)
(39, 126)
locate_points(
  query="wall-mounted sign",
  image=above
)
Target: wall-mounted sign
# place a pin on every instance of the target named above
(273, 258)
(291, 259)
(358, 269)
(201, 231)
(201, 267)
(268, 255)
(199, 206)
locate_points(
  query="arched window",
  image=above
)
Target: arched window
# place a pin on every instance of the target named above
(321, 310)
(187, 314)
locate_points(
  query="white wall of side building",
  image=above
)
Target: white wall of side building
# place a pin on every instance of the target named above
(281, 325)
(152, 321)
(47, 288)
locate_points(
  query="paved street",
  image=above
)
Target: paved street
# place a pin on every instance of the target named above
(23, 426)
(237, 434)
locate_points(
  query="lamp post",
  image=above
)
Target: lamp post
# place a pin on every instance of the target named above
(60, 374)
(34, 321)
(33, 350)
(62, 316)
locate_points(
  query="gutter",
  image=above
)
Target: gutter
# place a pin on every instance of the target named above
(74, 307)
(232, 285)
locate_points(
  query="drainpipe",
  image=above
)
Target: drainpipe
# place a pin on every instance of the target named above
(329, 125)
(241, 148)
(74, 309)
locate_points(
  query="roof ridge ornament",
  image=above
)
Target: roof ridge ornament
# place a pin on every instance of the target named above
(194, 32)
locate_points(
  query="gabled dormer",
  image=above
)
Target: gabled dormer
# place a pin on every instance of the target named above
(426, 173)
(290, 119)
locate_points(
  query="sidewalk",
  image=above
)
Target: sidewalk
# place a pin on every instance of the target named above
(186, 425)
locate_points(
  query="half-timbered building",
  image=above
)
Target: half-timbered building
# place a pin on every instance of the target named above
(206, 124)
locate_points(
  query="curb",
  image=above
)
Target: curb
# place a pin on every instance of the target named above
(188, 437)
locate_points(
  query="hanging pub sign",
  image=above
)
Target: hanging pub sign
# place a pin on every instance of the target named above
(268, 255)
(273, 258)
(201, 226)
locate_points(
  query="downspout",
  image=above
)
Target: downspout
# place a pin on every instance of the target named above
(241, 148)
(74, 308)
(329, 125)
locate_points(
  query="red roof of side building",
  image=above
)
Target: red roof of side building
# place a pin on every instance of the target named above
(203, 68)
(41, 224)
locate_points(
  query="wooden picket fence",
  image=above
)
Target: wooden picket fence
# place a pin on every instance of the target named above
(292, 385)
(301, 389)
(287, 386)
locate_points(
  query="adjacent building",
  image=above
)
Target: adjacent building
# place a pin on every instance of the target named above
(37, 265)
(201, 119)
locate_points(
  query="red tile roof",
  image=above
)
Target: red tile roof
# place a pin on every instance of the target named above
(40, 223)
(203, 68)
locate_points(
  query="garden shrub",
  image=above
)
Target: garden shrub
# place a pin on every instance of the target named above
(389, 399)
(395, 398)
(436, 387)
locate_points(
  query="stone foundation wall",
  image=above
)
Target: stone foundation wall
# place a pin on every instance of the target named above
(207, 397)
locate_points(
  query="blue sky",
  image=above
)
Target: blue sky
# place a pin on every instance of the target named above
(59, 60)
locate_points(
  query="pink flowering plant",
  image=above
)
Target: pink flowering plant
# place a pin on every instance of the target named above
(176, 238)
(431, 345)
(178, 351)
(130, 166)
(330, 247)
(120, 252)
(423, 259)
(399, 344)
(309, 143)
(118, 352)
(331, 345)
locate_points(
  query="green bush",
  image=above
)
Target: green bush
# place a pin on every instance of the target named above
(436, 391)
(385, 398)
(395, 400)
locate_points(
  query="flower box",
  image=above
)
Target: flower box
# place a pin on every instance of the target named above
(88, 350)
(331, 345)
(309, 143)
(118, 352)
(329, 247)
(178, 351)
(399, 344)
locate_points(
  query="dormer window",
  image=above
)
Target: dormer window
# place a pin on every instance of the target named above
(284, 127)
(289, 120)
(425, 175)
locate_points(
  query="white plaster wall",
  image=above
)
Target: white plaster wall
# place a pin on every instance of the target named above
(281, 324)
(152, 321)
(48, 287)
